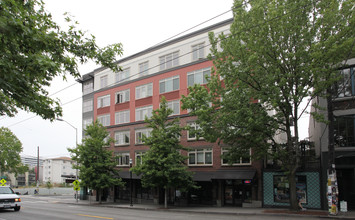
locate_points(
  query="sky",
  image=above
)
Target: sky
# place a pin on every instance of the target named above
(138, 25)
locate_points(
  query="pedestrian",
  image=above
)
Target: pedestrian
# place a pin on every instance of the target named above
(299, 197)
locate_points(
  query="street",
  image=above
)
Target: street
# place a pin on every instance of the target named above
(54, 207)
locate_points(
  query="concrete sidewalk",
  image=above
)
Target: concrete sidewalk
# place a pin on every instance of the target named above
(220, 210)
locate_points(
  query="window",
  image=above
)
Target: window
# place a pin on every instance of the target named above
(122, 75)
(241, 161)
(175, 106)
(144, 91)
(200, 156)
(86, 122)
(139, 134)
(144, 111)
(88, 106)
(103, 81)
(169, 60)
(193, 132)
(344, 130)
(104, 119)
(122, 117)
(122, 159)
(121, 138)
(122, 96)
(139, 157)
(103, 101)
(169, 84)
(143, 68)
(346, 85)
(198, 51)
(281, 189)
(88, 87)
(198, 76)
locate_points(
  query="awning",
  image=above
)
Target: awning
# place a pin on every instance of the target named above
(224, 175)
(126, 175)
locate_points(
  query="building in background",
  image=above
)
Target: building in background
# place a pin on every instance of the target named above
(120, 101)
(55, 168)
(344, 133)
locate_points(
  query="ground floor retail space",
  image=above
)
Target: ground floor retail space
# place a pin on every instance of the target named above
(224, 188)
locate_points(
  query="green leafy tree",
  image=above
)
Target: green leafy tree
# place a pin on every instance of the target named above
(10, 149)
(34, 50)
(96, 165)
(163, 165)
(276, 52)
(49, 185)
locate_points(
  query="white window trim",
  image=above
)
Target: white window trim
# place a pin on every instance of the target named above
(149, 110)
(146, 70)
(88, 87)
(88, 105)
(196, 126)
(123, 94)
(122, 76)
(123, 133)
(174, 60)
(106, 116)
(145, 131)
(169, 79)
(196, 72)
(199, 47)
(141, 154)
(86, 122)
(120, 160)
(100, 101)
(204, 151)
(103, 81)
(226, 149)
(118, 116)
(172, 103)
(146, 88)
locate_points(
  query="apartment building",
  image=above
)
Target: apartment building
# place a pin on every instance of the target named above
(55, 169)
(120, 101)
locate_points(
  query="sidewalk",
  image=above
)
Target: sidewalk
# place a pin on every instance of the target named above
(221, 210)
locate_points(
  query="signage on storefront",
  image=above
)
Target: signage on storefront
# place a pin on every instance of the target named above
(247, 181)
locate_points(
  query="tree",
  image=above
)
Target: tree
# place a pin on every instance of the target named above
(49, 185)
(96, 165)
(34, 50)
(163, 165)
(276, 52)
(10, 149)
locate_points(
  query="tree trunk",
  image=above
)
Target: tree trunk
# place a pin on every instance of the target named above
(166, 198)
(99, 192)
(292, 188)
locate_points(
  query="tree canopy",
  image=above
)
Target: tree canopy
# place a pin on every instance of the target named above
(277, 55)
(163, 165)
(96, 164)
(10, 149)
(34, 50)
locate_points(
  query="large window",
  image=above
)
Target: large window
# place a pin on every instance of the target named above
(86, 122)
(122, 159)
(198, 51)
(143, 68)
(122, 117)
(103, 81)
(122, 96)
(104, 119)
(103, 101)
(346, 85)
(193, 131)
(144, 111)
(139, 157)
(140, 133)
(200, 156)
(144, 91)
(122, 75)
(245, 160)
(88, 87)
(88, 105)
(344, 130)
(169, 84)
(282, 189)
(169, 60)
(121, 138)
(198, 76)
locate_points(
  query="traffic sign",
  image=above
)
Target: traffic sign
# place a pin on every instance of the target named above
(76, 188)
(76, 183)
(2, 182)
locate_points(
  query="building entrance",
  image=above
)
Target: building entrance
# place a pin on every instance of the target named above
(236, 192)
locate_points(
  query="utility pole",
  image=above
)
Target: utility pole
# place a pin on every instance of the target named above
(37, 167)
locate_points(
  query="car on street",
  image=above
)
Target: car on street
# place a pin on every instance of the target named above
(9, 199)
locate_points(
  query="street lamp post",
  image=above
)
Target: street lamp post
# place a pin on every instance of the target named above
(76, 145)
(130, 175)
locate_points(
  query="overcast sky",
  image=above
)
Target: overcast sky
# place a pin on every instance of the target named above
(137, 24)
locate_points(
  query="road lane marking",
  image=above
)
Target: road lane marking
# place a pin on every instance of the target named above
(92, 216)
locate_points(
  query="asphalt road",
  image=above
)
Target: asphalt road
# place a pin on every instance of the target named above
(51, 208)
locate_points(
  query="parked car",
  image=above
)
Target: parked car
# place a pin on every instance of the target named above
(9, 199)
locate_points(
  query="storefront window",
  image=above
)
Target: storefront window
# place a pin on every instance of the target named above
(282, 189)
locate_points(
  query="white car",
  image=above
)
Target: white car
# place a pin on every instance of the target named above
(9, 199)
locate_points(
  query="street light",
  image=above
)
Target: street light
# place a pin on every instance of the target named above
(130, 175)
(76, 143)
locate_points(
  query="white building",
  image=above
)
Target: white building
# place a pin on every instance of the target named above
(54, 168)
